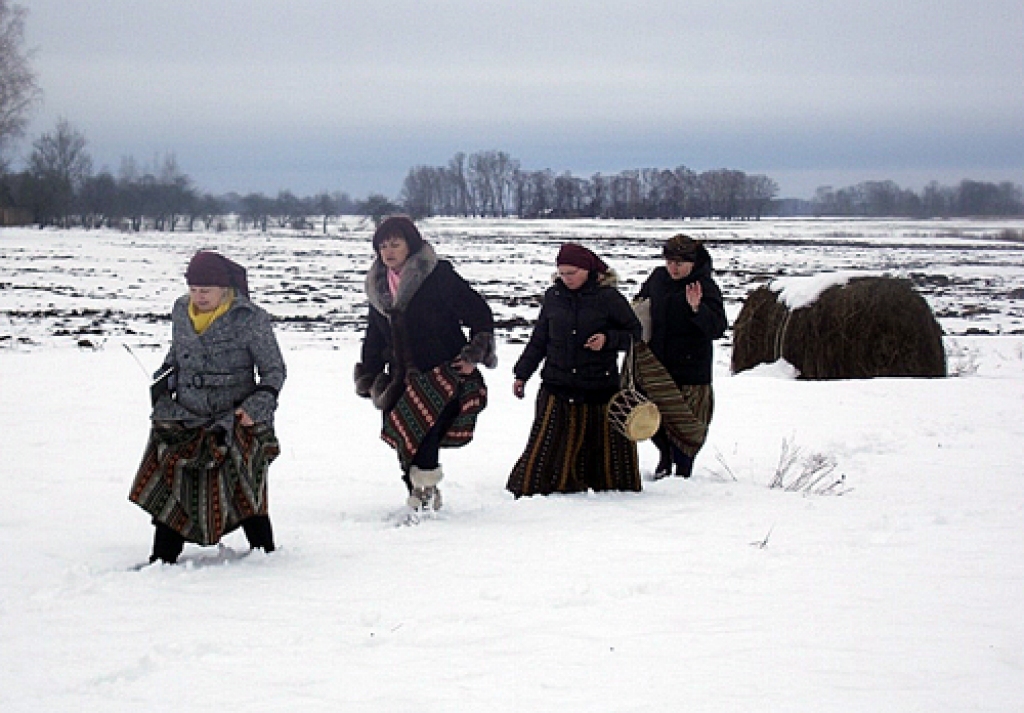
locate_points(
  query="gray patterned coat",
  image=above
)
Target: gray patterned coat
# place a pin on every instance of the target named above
(217, 371)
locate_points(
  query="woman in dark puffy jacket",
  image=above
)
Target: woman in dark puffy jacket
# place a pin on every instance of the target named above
(687, 315)
(584, 323)
(417, 365)
(204, 471)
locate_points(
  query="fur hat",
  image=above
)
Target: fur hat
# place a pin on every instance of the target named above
(681, 247)
(210, 269)
(578, 256)
(401, 226)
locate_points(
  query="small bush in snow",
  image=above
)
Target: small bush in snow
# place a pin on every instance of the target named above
(811, 475)
(961, 360)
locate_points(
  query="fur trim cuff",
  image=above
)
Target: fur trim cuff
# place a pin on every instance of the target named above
(425, 478)
(480, 350)
(386, 391)
(363, 380)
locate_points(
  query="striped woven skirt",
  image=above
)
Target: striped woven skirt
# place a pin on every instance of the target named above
(573, 448)
(685, 410)
(420, 405)
(192, 482)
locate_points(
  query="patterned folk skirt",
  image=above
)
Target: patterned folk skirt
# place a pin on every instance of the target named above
(572, 448)
(685, 410)
(192, 482)
(421, 404)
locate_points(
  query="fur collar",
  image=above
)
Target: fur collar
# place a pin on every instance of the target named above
(604, 279)
(417, 269)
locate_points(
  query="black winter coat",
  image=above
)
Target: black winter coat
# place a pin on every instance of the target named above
(681, 338)
(567, 319)
(423, 327)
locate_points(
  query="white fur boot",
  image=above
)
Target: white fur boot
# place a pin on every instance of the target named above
(425, 478)
(425, 493)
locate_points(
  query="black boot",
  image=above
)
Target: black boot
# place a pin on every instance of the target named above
(167, 544)
(665, 455)
(259, 532)
(684, 464)
(664, 465)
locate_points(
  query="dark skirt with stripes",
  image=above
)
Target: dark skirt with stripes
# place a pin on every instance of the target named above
(199, 486)
(573, 448)
(686, 410)
(421, 404)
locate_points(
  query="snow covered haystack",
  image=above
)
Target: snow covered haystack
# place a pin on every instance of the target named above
(839, 326)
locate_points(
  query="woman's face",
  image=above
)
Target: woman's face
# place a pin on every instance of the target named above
(394, 251)
(207, 298)
(678, 269)
(573, 277)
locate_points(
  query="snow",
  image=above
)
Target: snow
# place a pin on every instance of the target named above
(717, 593)
(798, 292)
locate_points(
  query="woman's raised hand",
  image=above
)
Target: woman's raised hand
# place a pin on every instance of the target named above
(694, 292)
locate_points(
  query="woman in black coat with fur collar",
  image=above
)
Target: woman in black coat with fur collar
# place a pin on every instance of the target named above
(416, 364)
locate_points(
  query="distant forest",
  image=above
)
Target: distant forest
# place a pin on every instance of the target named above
(492, 183)
(58, 187)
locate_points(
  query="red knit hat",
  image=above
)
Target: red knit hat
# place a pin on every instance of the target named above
(210, 269)
(578, 256)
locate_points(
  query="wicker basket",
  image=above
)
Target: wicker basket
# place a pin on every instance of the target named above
(629, 411)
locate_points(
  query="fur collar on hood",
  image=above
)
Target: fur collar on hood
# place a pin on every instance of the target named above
(604, 279)
(417, 269)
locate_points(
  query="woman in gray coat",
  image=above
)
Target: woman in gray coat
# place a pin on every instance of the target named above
(204, 471)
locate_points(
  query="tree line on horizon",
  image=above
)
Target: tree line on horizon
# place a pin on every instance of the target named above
(58, 188)
(493, 184)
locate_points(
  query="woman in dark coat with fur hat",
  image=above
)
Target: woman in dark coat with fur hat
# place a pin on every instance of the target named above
(584, 323)
(687, 315)
(204, 471)
(417, 365)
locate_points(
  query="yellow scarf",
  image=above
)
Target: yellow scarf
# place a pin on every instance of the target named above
(201, 321)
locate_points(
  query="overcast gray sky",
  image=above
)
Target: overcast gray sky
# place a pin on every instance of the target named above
(311, 95)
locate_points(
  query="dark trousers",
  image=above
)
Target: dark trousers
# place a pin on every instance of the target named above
(429, 452)
(671, 455)
(168, 542)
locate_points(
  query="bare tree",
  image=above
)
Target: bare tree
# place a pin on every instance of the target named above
(99, 200)
(18, 89)
(59, 167)
(480, 176)
(722, 190)
(463, 197)
(761, 190)
(326, 206)
(256, 209)
(175, 197)
(421, 194)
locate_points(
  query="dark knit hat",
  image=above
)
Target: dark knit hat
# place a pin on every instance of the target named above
(578, 256)
(210, 269)
(681, 247)
(402, 227)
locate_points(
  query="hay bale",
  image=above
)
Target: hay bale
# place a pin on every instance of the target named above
(868, 327)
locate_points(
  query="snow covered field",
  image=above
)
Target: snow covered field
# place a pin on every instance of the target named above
(902, 589)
